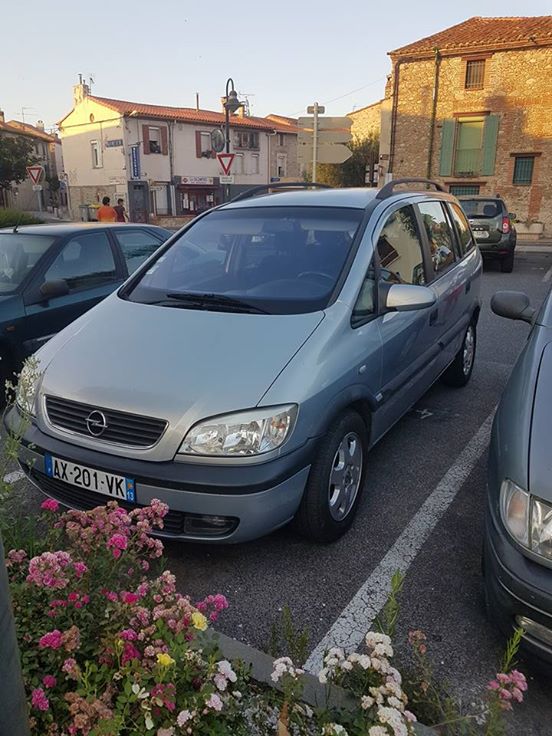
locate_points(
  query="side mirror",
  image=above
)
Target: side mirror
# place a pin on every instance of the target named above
(408, 297)
(513, 305)
(54, 288)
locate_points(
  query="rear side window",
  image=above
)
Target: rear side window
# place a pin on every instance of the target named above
(84, 262)
(400, 249)
(439, 235)
(464, 233)
(137, 246)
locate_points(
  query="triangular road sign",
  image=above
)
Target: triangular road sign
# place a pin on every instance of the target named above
(226, 160)
(35, 172)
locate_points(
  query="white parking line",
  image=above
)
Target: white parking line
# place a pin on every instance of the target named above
(548, 275)
(14, 477)
(358, 616)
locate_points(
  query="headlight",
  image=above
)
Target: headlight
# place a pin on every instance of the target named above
(514, 504)
(541, 529)
(247, 433)
(27, 387)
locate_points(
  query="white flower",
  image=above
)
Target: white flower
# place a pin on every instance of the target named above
(410, 717)
(284, 666)
(225, 668)
(378, 731)
(183, 717)
(323, 676)
(220, 681)
(148, 722)
(346, 665)
(334, 729)
(394, 702)
(366, 702)
(214, 702)
(364, 661)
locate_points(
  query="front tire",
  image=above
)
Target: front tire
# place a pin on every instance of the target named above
(459, 371)
(334, 486)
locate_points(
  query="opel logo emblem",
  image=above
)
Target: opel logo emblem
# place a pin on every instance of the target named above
(96, 423)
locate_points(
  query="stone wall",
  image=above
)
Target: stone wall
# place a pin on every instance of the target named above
(366, 121)
(517, 88)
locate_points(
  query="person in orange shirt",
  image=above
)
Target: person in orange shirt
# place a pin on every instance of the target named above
(106, 212)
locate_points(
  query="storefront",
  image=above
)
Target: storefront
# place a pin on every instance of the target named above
(195, 194)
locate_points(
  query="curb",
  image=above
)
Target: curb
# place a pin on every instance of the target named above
(315, 694)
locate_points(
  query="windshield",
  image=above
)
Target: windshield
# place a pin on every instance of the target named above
(481, 208)
(18, 255)
(280, 260)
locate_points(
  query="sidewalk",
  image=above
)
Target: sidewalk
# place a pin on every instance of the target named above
(532, 246)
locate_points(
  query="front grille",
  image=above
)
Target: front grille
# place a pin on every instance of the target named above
(131, 430)
(84, 500)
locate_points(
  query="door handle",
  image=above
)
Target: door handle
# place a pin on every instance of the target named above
(433, 316)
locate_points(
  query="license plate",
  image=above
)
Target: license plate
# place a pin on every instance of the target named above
(481, 234)
(115, 486)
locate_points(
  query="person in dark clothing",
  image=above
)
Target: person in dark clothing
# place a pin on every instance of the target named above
(121, 212)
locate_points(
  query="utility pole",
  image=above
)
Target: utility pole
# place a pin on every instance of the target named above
(315, 109)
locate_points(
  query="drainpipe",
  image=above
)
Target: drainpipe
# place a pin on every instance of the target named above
(396, 73)
(433, 112)
(171, 194)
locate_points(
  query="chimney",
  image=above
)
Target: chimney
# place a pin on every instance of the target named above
(40, 125)
(80, 91)
(240, 112)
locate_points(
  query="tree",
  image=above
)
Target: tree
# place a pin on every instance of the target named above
(15, 156)
(352, 173)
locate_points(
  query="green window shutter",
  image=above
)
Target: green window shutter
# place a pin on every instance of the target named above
(447, 147)
(490, 134)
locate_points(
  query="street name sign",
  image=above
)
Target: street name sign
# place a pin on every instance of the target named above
(327, 153)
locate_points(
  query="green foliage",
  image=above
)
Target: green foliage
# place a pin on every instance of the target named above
(352, 173)
(15, 156)
(10, 218)
(386, 622)
(286, 640)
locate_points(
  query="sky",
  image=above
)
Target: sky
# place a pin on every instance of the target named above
(282, 55)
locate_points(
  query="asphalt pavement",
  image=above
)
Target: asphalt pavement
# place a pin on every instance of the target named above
(421, 510)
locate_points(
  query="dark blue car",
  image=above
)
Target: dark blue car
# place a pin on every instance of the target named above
(51, 274)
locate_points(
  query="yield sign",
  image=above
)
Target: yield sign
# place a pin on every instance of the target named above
(35, 172)
(225, 160)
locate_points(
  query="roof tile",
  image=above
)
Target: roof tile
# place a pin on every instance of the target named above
(484, 33)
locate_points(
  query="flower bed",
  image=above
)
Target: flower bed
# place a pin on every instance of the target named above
(109, 647)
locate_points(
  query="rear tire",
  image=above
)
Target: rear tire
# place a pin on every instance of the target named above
(459, 371)
(507, 264)
(334, 485)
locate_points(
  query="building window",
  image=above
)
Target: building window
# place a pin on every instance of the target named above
(281, 164)
(523, 170)
(255, 163)
(469, 141)
(238, 163)
(461, 190)
(154, 140)
(281, 139)
(246, 139)
(96, 150)
(475, 74)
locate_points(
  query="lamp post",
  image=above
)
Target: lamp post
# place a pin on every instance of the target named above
(231, 104)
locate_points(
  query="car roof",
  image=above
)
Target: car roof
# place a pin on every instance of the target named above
(68, 228)
(354, 197)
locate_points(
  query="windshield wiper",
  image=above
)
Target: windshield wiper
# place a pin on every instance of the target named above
(204, 301)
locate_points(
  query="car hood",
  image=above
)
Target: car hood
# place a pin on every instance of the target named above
(540, 452)
(177, 364)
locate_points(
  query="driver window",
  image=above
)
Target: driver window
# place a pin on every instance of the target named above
(400, 249)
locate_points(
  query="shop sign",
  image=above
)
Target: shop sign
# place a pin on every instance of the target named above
(204, 180)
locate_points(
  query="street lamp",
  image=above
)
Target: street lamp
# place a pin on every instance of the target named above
(231, 104)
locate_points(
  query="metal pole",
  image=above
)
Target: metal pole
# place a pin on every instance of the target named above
(314, 140)
(39, 199)
(15, 720)
(227, 131)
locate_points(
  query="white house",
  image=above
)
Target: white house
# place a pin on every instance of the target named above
(160, 160)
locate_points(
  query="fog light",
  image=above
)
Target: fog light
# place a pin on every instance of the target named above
(535, 630)
(206, 525)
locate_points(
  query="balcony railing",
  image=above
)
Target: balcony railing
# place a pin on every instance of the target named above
(468, 161)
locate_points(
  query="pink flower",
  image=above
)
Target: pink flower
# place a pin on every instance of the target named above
(50, 505)
(80, 568)
(214, 702)
(51, 640)
(49, 570)
(118, 541)
(129, 653)
(72, 597)
(128, 635)
(49, 681)
(39, 699)
(111, 596)
(16, 557)
(129, 598)
(71, 668)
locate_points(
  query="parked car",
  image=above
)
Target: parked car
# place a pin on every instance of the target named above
(493, 228)
(243, 373)
(51, 274)
(518, 533)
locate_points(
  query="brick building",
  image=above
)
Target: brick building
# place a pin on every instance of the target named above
(471, 106)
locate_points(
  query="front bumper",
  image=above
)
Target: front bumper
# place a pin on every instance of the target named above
(516, 586)
(255, 499)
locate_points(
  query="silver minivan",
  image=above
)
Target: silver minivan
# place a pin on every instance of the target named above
(245, 370)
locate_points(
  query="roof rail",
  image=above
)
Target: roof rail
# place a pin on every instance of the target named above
(387, 189)
(278, 185)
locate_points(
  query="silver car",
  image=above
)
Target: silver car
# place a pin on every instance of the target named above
(243, 373)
